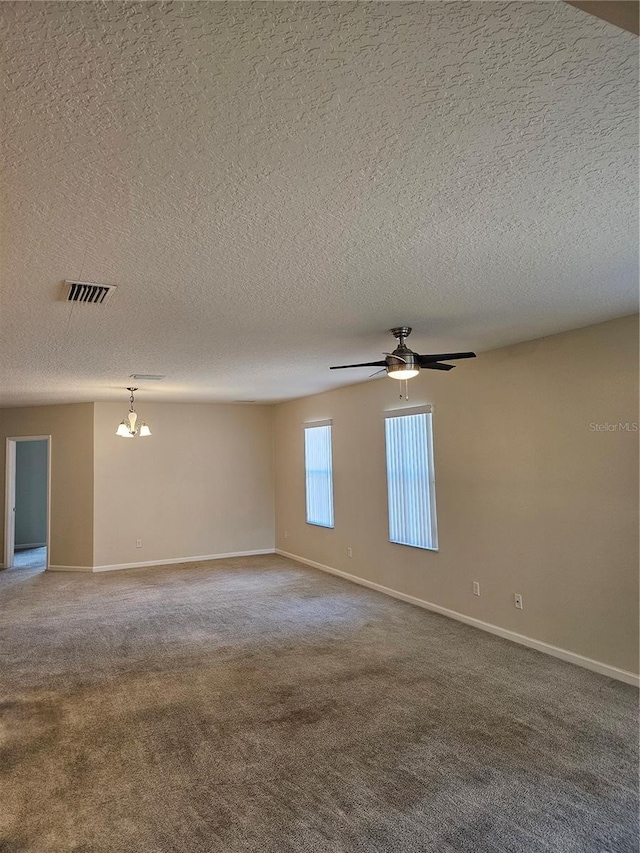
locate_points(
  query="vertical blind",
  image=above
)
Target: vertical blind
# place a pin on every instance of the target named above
(410, 480)
(319, 475)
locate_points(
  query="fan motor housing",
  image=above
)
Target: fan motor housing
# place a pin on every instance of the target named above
(402, 358)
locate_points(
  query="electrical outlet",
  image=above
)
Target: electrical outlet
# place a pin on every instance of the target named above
(286, 534)
(517, 601)
(476, 588)
(349, 552)
(138, 543)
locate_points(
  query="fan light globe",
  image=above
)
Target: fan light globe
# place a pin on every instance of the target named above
(402, 372)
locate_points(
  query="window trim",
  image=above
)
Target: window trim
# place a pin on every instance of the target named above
(426, 409)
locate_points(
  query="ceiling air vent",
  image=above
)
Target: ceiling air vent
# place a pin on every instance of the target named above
(86, 291)
(148, 376)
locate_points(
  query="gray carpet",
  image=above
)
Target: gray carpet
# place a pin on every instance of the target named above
(257, 705)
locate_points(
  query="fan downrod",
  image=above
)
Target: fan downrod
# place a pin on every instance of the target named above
(401, 333)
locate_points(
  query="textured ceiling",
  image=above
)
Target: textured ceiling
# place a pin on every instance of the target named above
(273, 185)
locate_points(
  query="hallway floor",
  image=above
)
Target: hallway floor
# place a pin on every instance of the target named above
(30, 558)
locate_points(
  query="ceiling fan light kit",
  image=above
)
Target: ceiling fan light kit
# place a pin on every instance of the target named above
(129, 427)
(403, 363)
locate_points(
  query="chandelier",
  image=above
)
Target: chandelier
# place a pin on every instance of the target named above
(129, 428)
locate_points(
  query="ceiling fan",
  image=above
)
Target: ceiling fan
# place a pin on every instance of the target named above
(404, 363)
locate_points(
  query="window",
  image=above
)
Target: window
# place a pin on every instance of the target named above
(319, 474)
(410, 479)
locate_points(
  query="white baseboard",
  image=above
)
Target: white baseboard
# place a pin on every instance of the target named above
(168, 562)
(554, 651)
(70, 569)
(173, 560)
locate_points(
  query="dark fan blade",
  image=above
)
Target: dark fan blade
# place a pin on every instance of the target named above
(365, 364)
(425, 360)
(435, 366)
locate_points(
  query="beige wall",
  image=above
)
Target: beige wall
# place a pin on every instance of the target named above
(530, 498)
(202, 484)
(71, 429)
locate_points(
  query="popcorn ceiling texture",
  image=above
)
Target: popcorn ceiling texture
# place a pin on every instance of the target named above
(273, 185)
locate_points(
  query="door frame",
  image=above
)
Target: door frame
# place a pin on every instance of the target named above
(10, 496)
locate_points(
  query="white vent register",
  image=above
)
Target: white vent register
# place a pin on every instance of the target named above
(88, 292)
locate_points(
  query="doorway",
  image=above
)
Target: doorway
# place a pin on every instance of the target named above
(27, 502)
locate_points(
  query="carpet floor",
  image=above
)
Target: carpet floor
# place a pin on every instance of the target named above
(255, 705)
